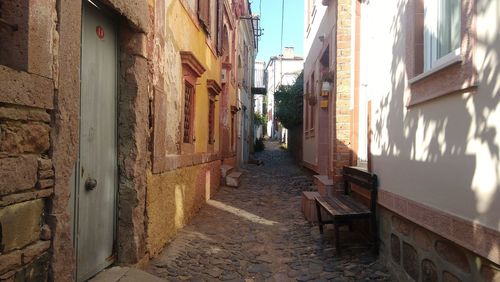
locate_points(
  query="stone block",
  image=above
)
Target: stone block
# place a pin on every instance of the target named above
(44, 164)
(42, 32)
(233, 179)
(453, 254)
(135, 43)
(411, 261)
(10, 261)
(26, 196)
(422, 239)
(34, 250)
(28, 114)
(14, 45)
(309, 206)
(45, 233)
(429, 271)
(44, 174)
(395, 249)
(401, 225)
(17, 137)
(226, 170)
(448, 277)
(20, 224)
(25, 89)
(45, 183)
(37, 271)
(17, 174)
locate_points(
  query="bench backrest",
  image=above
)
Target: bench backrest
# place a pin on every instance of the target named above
(363, 179)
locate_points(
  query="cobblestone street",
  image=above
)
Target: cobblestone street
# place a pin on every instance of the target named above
(258, 233)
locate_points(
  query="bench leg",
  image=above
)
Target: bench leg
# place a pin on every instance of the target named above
(374, 228)
(337, 237)
(318, 212)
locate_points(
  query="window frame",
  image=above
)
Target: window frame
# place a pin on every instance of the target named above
(213, 89)
(453, 75)
(192, 69)
(191, 115)
(204, 17)
(433, 13)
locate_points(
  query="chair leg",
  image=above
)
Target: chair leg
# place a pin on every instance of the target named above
(337, 238)
(320, 222)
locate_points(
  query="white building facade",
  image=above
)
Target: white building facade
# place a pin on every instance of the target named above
(280, 70)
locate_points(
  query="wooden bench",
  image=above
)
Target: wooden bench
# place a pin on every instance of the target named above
(344, 209)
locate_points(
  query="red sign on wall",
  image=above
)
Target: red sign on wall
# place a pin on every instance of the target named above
(99, 31)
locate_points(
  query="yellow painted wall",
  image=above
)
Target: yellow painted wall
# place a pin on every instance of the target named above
(174, 197)
(193, 39)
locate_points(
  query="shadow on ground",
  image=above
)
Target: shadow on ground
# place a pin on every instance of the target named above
(258, 233)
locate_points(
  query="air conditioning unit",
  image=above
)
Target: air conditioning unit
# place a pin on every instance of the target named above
(224, 74)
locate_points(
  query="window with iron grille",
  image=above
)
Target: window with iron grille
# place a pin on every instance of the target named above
(211, 124)
(188, 112)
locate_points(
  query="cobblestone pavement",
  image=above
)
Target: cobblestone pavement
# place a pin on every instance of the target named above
(257, 233)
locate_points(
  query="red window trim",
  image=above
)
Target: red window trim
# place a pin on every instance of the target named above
(455, 78)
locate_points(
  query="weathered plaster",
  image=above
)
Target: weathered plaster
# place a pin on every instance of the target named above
(174, 197)
(64, 138)
(133, 155)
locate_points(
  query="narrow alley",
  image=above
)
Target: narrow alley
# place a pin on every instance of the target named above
(257, 232)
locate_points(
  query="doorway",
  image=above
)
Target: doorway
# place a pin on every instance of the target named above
(97, 169)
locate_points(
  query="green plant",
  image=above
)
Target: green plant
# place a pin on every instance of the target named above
(259, 119)
(259, 145)
(289, 102)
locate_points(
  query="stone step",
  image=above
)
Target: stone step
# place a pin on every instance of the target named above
(225, 170)
(233, 179)
(124, 274)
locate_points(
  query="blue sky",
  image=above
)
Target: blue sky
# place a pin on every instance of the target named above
(293, 35)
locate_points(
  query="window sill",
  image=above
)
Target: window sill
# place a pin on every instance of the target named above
(453, 58)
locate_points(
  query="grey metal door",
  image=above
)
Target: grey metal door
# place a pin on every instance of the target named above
(97, 170)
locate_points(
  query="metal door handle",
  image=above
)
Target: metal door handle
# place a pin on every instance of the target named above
(90, 184)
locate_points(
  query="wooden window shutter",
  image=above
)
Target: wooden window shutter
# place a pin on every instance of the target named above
(204, 14)
(220, 25)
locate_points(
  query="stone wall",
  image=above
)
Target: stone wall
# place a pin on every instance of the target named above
(413, 253)
(27, 89)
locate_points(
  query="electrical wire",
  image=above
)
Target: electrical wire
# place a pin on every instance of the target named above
(282, 21)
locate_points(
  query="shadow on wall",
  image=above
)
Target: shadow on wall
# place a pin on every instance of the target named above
(445, 150)
(174, 198)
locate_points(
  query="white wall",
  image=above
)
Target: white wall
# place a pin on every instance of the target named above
(280, 72)
(443, 153)
(322, 24)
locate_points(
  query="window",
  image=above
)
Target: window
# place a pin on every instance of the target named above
(440, 62)
(211, 120)
(313, 95)
(306, 106)
(188, 113)
(204, 14)
(214, 89)
(192, 69)
(441, 32)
